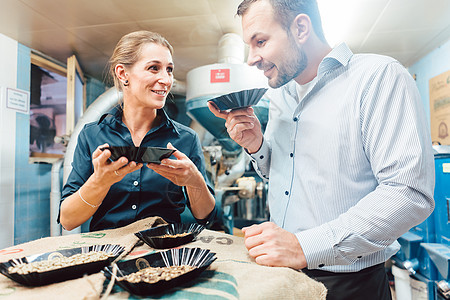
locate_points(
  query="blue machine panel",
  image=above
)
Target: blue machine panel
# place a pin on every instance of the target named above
(442, 198)
(439, 251)
(419, 246)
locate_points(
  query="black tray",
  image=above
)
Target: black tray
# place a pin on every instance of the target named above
(62, 274)
(140, 154)
(153, 236)
(239, 99)
(197, 257)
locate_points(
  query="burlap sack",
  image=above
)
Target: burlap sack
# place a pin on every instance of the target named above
(255, 281)
(88, 287)
(234, 275)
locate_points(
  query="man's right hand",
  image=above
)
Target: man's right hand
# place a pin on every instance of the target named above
(242, 125)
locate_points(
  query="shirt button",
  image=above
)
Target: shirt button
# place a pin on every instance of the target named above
(291, 155)
(359, 256)
(321, 265)
(295, 119)
(133, 206)
(135, 183)
(286, 193)
(261, 157)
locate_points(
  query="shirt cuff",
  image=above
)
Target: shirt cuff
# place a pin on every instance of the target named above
(206, 221)
(260, 157)
(317, 246)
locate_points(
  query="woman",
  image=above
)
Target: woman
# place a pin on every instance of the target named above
(118, 193)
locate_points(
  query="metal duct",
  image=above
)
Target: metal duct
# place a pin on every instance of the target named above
(231, 49)
(178, 88)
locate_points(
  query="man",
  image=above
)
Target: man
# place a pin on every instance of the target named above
(347, 152)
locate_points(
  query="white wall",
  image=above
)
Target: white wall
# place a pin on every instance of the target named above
(8, 78)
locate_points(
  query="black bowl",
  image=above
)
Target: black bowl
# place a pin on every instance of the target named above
(164, 237)
(239, 99)
(196, 257)
(61, 274)
(139, 154)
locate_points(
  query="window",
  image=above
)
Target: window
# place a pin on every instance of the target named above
(57, 99)
(47, 109)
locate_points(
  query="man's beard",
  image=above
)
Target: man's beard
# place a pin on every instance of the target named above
(288, 70)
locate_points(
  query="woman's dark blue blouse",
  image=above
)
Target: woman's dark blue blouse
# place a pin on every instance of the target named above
(142, 193)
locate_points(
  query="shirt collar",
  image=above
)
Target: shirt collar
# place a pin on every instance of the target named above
(339, 56)
(167, 120)
(116, 113)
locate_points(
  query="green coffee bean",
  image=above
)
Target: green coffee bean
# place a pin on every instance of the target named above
(59, 262)
(153, 275)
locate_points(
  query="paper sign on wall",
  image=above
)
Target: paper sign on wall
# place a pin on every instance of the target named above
(18, 100)
(440, 108)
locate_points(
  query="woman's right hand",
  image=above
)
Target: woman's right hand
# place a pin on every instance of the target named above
(107, 172)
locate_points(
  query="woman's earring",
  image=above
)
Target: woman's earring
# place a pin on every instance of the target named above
(126, 83)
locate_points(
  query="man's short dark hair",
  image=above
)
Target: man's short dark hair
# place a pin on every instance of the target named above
(286, 10)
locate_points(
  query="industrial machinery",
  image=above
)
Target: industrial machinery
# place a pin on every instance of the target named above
(439, 252)
(425, 249)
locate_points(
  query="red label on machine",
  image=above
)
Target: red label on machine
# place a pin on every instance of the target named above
(220, 75)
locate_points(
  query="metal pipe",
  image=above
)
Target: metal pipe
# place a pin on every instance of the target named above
(178, 88)
(237, 169)
(55, 197)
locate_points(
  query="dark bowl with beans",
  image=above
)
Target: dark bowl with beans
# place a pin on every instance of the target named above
(161, 271)
(57, 266)
(171, 235)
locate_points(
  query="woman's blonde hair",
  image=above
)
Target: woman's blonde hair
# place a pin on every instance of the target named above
(128, 50)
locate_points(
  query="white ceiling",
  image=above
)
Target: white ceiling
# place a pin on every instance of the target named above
(404, 29)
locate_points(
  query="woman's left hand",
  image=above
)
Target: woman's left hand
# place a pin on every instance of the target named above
(181, 171)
